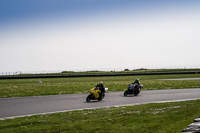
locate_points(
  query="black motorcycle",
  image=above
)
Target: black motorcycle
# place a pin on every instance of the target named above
(133, 89)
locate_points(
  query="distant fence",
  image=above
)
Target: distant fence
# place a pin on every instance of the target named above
(30, 72)
(93, 75)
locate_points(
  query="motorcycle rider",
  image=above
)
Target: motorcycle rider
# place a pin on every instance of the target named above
(101, 87)
(137, 83)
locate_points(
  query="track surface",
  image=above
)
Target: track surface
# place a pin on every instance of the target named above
(16, 107)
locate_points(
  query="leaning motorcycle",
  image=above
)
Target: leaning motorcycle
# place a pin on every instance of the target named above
(133, 89)
(95, 94)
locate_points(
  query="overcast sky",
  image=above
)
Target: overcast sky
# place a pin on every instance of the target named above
(77, 35)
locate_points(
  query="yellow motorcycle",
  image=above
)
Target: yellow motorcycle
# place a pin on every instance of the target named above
(95, 94)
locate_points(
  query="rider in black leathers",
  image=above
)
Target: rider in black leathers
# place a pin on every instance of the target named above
(101, 87)
(137, 83)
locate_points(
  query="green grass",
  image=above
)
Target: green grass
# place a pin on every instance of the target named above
(149, 118)
(56, 86)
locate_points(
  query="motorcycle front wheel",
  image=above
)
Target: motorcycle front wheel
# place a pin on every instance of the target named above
(137, 92)
(100, 98)
(125, 93)
(88, 98)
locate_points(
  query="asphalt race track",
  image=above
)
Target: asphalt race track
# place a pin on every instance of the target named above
(26, 106)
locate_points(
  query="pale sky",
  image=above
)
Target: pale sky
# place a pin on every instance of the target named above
(77, 35)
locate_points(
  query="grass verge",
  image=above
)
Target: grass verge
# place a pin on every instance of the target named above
(148, 118)
(56, 86)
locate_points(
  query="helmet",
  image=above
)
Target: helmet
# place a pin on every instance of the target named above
(137, 79)
(100, 83)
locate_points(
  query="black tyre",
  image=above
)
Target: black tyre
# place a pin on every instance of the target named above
(125, 93)
(138, 91)
(101, 98)
(103, 95)
(88, 98)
